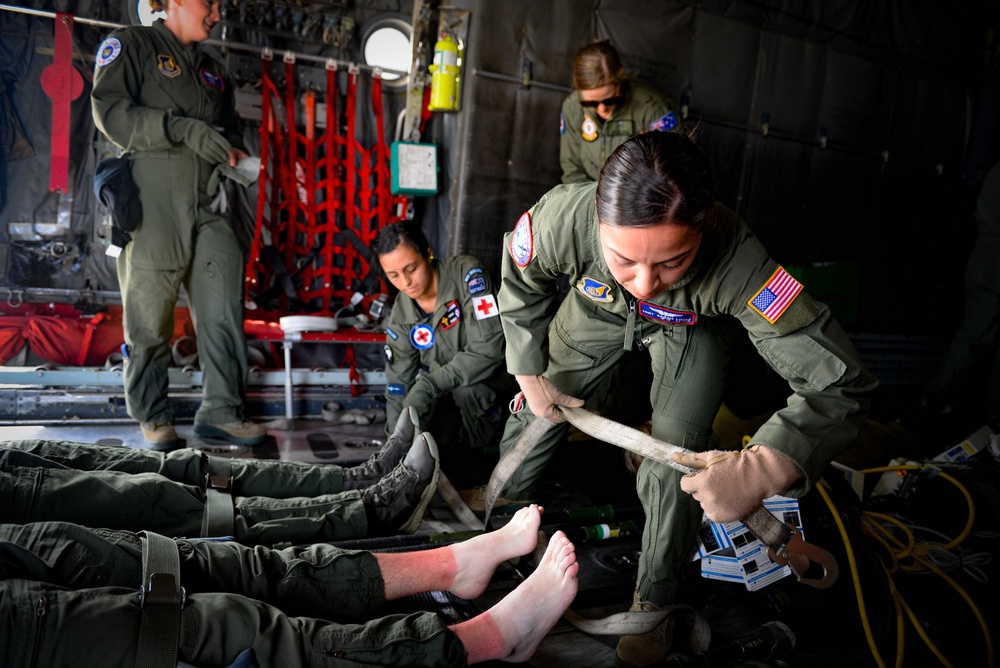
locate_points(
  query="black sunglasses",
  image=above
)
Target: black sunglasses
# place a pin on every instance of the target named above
(612, 101)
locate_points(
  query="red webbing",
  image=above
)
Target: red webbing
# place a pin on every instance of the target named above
(59, 85)
(264, 184)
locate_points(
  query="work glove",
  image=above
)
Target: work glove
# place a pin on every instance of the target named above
(730, 484)
(421, 396)
(543, 397)
(200, 138)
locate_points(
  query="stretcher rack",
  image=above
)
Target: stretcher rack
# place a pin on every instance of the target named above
(288, 339)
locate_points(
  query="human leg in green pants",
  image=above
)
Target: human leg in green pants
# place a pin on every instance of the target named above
(81, 584)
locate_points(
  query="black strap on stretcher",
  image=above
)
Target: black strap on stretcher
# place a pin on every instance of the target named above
(219, 516)
(161, 598)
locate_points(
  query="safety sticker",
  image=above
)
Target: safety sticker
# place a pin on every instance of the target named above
(108, 51)
(667, 316)
(588, 129)
(453, 315)
(595, 290)
(391, 333)
(776, 295)
(388, 353)
(485, 307)
(665, 123)
(396, 390)
(476, 285)
(422, 337)
(213, 80)
(472, 273)
(167, 66)
(522, 247)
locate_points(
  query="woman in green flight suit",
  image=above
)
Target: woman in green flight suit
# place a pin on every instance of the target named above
(654, 262)
(605, 109)
(444, 320)
(167, 102)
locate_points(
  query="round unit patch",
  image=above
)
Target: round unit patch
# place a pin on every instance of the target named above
(108, 51)
(422, 337)
(521, 244)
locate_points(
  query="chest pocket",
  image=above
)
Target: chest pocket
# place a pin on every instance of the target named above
(622, 128)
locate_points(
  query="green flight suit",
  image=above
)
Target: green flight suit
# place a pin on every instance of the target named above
(144, 83)
(460, 344)
(687, 330)
(586, 141)
(135, 490)
(70, 592)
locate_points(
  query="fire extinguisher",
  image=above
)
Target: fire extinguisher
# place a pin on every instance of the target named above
(444, 75)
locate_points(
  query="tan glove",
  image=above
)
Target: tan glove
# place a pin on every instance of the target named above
(543, 397)
(731, 484)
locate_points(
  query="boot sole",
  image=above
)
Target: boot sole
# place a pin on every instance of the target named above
(208, 431)
(166, 446)
(425, 497)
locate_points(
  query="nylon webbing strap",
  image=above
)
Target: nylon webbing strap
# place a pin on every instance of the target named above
(218, 518)
(762, 524)
(162, 598)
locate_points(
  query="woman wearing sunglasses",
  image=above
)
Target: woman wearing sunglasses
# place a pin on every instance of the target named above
(605, 109)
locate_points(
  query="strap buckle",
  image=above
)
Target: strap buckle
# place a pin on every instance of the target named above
(223, 483)
(161, 588)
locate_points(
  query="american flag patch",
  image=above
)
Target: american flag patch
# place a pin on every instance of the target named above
(772, 299)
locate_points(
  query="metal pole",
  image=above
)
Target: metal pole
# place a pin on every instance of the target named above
(222, 44)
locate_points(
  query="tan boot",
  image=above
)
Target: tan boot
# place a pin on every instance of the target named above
(161, 436)
(651, 648)
(243, 432)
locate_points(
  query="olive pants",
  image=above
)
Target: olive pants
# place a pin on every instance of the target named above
(137, 490)
(70, 598)
(181, 242)
(689, 370)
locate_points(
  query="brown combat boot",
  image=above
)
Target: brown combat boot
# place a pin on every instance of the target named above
(161, 436)
(648, 649)
(243, 432)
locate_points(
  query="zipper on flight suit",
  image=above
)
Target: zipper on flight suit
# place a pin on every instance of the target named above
(631, 324)
(40, 606)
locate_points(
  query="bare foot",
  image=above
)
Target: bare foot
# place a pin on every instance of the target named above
(477, 558)
(525, 616)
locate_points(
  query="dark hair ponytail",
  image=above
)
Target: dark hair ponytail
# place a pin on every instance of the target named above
(656, 177)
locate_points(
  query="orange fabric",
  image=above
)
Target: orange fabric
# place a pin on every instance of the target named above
(68, 341)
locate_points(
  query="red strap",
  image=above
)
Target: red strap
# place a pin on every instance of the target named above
(88, 337)
(352, 371)
(63, 84)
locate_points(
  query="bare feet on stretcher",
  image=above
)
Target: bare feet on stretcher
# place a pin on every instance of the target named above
(477, 558)
(524, 617)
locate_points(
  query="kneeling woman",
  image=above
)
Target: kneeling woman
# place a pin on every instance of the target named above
(445, 321)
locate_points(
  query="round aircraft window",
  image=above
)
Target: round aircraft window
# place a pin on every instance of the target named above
(386, 44)
(139, 13)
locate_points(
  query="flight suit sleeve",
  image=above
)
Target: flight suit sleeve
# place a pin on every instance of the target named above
(402, 362)
(483, 349)
(527, 298)
(117, 87)
(831, 387)
(570, 141)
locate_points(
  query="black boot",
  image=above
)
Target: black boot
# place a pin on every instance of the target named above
(396, 503)
(382, 462)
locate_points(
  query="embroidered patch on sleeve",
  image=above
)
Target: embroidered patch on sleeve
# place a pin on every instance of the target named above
(485, 307)
(396, 390)
(776, 295)
(521, 244)
(665, 123)
(108, 51)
